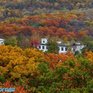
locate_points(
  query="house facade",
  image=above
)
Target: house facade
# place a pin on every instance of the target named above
(43, 45)
(62, 48)
(77, 47)
(1, 41)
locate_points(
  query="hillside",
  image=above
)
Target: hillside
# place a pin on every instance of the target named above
(31, 20)
(25, 24)
(20, 8)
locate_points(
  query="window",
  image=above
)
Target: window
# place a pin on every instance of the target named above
(2, 42)
(66, 49)
(43, 41)
(39, 47)
(46, 47)
(62, 49)
(43, 47)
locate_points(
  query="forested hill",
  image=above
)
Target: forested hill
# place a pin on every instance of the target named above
(19, 8)
(26, 21)
(24, 68)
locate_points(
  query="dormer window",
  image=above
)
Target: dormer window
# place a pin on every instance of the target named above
(44, 41)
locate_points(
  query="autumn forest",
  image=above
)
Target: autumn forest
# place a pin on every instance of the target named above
(22, 66)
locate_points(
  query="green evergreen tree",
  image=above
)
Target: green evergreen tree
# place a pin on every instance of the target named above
(52, 47)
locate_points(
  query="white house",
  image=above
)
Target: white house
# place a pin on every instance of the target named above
(77, 47)
(1, 41)
(43, 45)
(63, 48)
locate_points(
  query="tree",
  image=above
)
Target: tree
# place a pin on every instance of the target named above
(52, 47)
(11, 41)
(88, 41)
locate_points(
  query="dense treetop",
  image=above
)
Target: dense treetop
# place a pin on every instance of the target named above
(35, 71)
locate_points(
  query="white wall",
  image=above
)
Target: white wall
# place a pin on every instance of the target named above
(44, 41)
(78, 48)
(43, 48)
(1, 41)
(64, 49)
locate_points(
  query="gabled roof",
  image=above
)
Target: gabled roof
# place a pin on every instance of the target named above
(77, 44)
(62, 45)
(1, 39)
